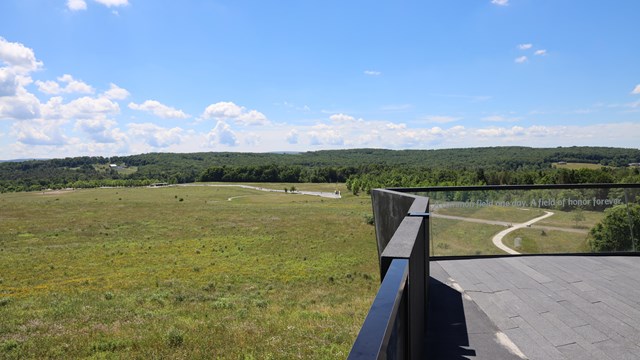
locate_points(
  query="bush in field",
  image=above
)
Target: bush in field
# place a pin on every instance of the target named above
(618, 229)
(175, 337)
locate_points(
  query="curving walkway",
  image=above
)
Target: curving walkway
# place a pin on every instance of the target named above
(497, 238)
(329, 195)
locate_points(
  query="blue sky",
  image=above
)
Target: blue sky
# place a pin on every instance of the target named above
(115, 77)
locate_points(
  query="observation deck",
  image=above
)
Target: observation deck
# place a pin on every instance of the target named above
(468, 274)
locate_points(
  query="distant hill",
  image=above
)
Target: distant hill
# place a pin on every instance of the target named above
(312, 166)
(505, 157)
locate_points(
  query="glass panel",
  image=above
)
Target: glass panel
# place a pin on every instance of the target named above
(534, 221)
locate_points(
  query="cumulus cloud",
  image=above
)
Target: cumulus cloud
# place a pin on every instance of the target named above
(72, 86)
(222, 134)
(8, 82)
(372, 73)
(39, 132)
(160, 110)
(521, 59)
(541, 52)
(252, 139)
(101, 130)
(113, 3)
(393, 126)
(326, 136)
(75, 5)
(20, 106)
(500, 2)
(156, 136)
(238, 114)
(18, 57)
(525, 46)
(636, 90)
(88, 107)
(116, 93)
(292, 136)
(252, 117)
(341, 118)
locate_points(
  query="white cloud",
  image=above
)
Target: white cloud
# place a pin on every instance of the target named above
(88, 108)
(341, 118)
(21, 106)
(49, 87)
(636, 90)
(372, 73)
(525, 46)
(500, 2)
(8, 82)
(501, 132)
(393, 126)
(101, 130)
(110, 3)
(154, 135)
(229, 111)
(222, 134)
(541, 52)
(73, 86)
(18, 57)
(53, 109)
(252, 139)
(222, 110)
(39, 132)
(521, 59)
(116, 93)
(252, 117)
(441, 119)
(323, 134)
(292, 136)
(160, 110)
(75, 5)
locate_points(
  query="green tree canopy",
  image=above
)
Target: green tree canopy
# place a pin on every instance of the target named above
(614, 232)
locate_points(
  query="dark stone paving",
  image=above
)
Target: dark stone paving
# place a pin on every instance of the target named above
(550, 307)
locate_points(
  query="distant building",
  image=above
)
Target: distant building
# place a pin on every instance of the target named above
(562, 163)
(634, 165)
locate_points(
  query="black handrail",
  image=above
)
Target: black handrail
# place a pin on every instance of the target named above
(376, 336)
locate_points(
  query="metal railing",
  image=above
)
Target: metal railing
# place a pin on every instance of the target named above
(402, 235)
(574, 213)
(396, 323)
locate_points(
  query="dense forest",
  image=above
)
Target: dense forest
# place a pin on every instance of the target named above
(361, 169)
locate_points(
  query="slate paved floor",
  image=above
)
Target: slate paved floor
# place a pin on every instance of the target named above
(550, 307)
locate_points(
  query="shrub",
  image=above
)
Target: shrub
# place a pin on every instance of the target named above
(174, 337)
(9, 345)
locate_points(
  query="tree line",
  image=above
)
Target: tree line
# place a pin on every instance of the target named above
(361, 169)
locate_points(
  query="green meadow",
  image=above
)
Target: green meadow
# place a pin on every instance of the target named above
(184, 272)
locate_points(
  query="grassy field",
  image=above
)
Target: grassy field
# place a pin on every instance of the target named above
(454, 237)
(568, 219)
(182, 272)
(536, 241)
(577, 166)
(507, 214)
(457, 237)
(121, 170)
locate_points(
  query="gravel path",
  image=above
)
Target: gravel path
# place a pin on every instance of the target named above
(329, 195)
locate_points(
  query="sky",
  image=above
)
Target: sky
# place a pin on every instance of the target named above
(120, 77)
